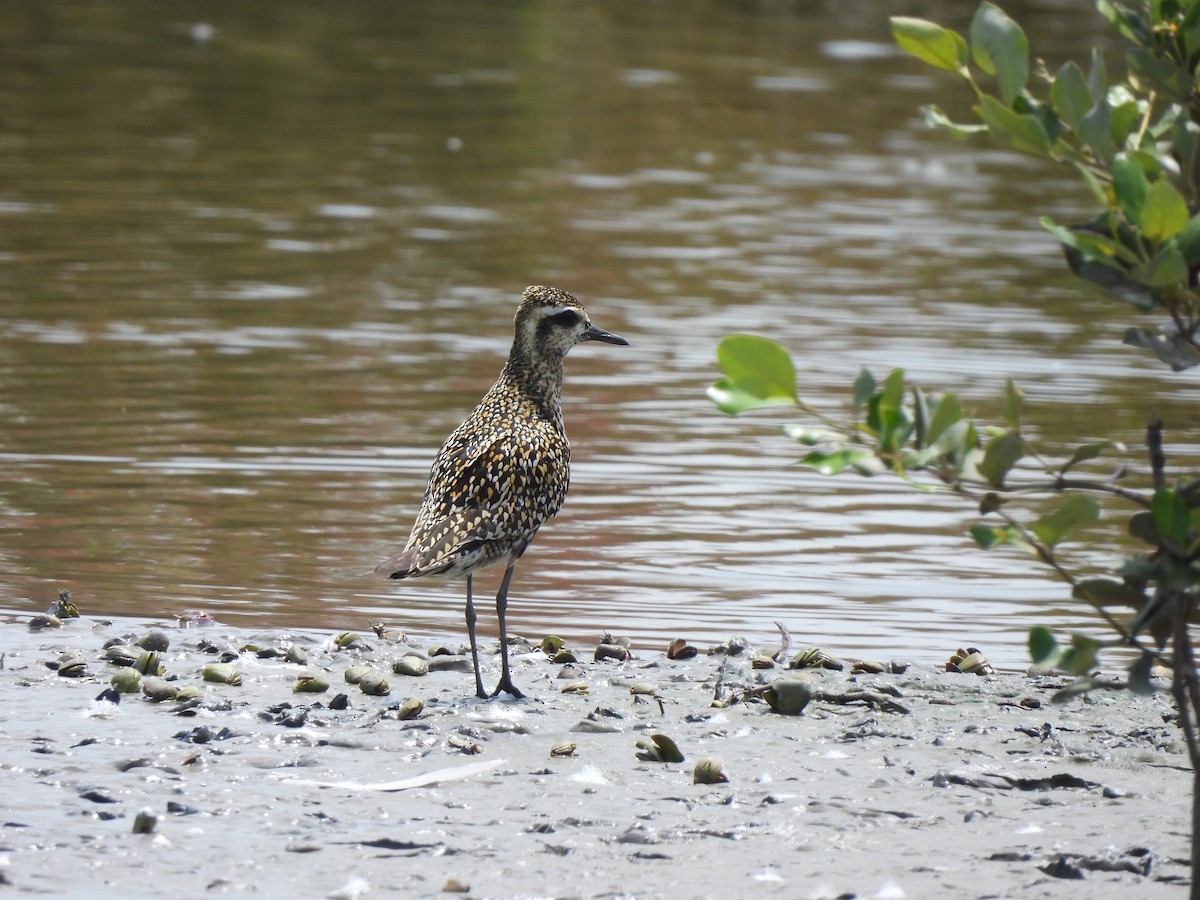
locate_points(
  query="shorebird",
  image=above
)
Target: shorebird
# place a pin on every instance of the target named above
(504, 471)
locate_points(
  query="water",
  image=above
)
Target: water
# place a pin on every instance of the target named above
(255, 266)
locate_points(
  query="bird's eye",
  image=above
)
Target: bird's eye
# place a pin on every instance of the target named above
(568, 318)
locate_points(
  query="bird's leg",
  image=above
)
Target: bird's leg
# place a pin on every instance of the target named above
(501, 605)
(479, 691)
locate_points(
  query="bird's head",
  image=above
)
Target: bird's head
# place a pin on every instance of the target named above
(549, 322)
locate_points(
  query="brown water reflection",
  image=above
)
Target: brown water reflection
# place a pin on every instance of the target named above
(254, 267)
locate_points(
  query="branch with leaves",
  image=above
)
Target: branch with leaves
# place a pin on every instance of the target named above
(928, 440)
(1133, 141)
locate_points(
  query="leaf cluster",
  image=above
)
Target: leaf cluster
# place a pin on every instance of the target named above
(929, 440)
(1134, 140)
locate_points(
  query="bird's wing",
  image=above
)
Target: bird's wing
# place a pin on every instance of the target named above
(494, 488)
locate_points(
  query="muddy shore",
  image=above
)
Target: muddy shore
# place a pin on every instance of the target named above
(913, 784)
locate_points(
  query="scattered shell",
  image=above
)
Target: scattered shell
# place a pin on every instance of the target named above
(563, 748)
(44, 620)
(612, 651)
(190, 692)
(970, 661)
(157, 690)
(563, 656)
(71, 664)
(865, 667)
(441, 650)
(410, 665)
(709, 771)
(454, 886)
(449, 664)
(149, 663)
(122, 654)
(659, 748)
(387, 634)
(735, 646)
(296, 654)
(463, 744)
(680, 649)
(551, 644)
(575, 687)
(762, 662)
(145, 822)
(354, 674)
(339, 701)
(155, 640)
(345, 639)
(374, 682)
(63, 608)
(310, 683)
(221, 673)
(625, 642)
(126, 680)
(788, 696)
(410, 709)
(815, 657)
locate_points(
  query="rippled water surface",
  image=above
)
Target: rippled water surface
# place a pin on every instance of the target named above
(255, 266)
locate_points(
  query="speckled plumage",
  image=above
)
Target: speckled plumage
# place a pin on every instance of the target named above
(504, 472)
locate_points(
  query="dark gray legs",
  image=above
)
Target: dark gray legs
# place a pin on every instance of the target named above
(479, 691)
(501, 606)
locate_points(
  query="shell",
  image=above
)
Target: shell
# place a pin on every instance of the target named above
(157, 690)
(296, 654)
(71, 664)
(563, 748)
(788, 696)
(374, 682)
(410, 709)
(709, 771)
(310, 683)
(221, 673)
(126, 680)
(155, 640)
(411, 665)
(659, 748)
(149, 663)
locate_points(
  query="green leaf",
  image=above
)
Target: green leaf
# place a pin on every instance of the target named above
(1025, 132)
(1043, 646)
(1001, 454)
(1084, 452)
(1094, 131)
(759, 373)
(864, 462)
(1091, 245)
(1080, 658)
(1014, 398)
(1130, 186)
(1171, 516)
(1001, 49)
(810, 437)
(1052, 528)
(1070, 95)
(864, 387)
(1189, 241)
(931, 43)
(935, 118)
(946, 411)
(988, 536)
(1165, 270)
(1164, 213)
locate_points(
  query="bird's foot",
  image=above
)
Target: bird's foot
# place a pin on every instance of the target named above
(506, 686)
